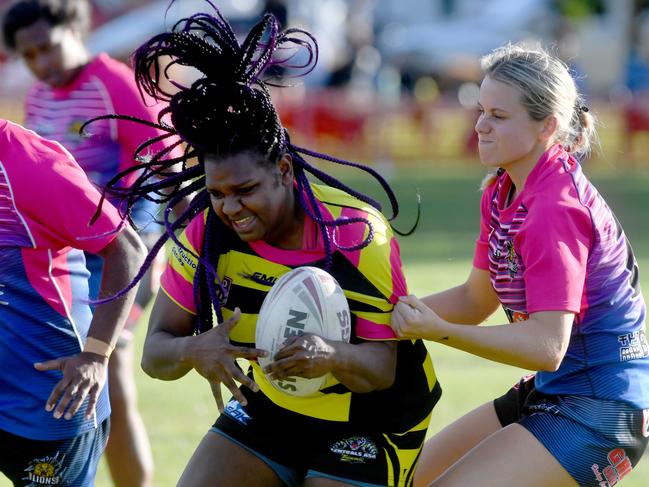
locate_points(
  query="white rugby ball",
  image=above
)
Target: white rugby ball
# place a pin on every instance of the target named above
(304, 300)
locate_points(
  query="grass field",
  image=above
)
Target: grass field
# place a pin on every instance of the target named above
(178, 413)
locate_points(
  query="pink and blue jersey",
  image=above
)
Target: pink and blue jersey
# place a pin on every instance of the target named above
(558, 247)
(104, 86)
(46, 202)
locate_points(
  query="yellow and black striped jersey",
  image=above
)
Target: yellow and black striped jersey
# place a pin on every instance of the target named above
(372, 280)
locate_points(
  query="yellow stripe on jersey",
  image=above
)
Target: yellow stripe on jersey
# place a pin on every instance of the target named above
(367, 277)
(330, 407)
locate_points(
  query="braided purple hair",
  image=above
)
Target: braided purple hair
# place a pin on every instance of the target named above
(225, 112)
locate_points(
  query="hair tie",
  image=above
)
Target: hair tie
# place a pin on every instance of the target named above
(582, 109)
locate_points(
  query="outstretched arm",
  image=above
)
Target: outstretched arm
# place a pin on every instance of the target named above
(469, 303)
(84, 374)
(538, 343)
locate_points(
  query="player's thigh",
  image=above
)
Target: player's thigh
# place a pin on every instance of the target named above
(510, 456)
(324, 482)
(220, 461)
(446, 447)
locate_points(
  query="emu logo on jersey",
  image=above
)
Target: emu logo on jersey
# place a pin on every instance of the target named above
(44, 471)
(356, 449)
(260, 278)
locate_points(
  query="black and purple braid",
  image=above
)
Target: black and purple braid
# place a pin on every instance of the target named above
(226, 112)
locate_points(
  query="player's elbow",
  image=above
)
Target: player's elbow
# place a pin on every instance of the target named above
(551, 360)
(150, 364)
(386, 381)
(147, 366)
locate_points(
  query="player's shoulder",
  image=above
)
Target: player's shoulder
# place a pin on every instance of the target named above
(109, 69)
(337, 199)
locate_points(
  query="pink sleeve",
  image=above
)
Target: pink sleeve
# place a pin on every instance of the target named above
(177, 281)
(555, 242)
(481, 253)
(125, 96)
(56, 197)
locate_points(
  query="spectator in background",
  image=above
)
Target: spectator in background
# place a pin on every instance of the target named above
(635, 103)
(71, 88)
(54, 408)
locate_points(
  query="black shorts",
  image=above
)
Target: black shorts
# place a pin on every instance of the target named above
(71, 462)
(310, 447)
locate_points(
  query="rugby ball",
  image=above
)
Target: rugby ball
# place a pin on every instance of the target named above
(304, 300)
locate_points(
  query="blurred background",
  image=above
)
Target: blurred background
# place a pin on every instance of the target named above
(395, 88)
(397, 79)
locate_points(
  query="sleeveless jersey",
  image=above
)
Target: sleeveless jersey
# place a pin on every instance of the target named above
(372, 280)
(558, 247)
(46, 202)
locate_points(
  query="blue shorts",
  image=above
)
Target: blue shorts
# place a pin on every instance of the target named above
(67, 463)
(597, 441)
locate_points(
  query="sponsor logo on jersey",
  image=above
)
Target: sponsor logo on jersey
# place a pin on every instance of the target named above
(183, 257)
(262, 278)
(618, 466)
(633, 345)
(356, 449)
(236, 412)
(45, 471)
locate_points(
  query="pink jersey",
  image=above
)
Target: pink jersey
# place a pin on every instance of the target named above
(558, 247)
(46, 203)
(104, 86)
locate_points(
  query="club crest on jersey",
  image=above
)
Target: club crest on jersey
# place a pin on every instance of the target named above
(508, 252)
(356, 449)
(512, 259)
(45, 471)
(73, 129)
(223, 290)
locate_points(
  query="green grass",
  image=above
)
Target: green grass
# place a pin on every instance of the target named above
(178, 414)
